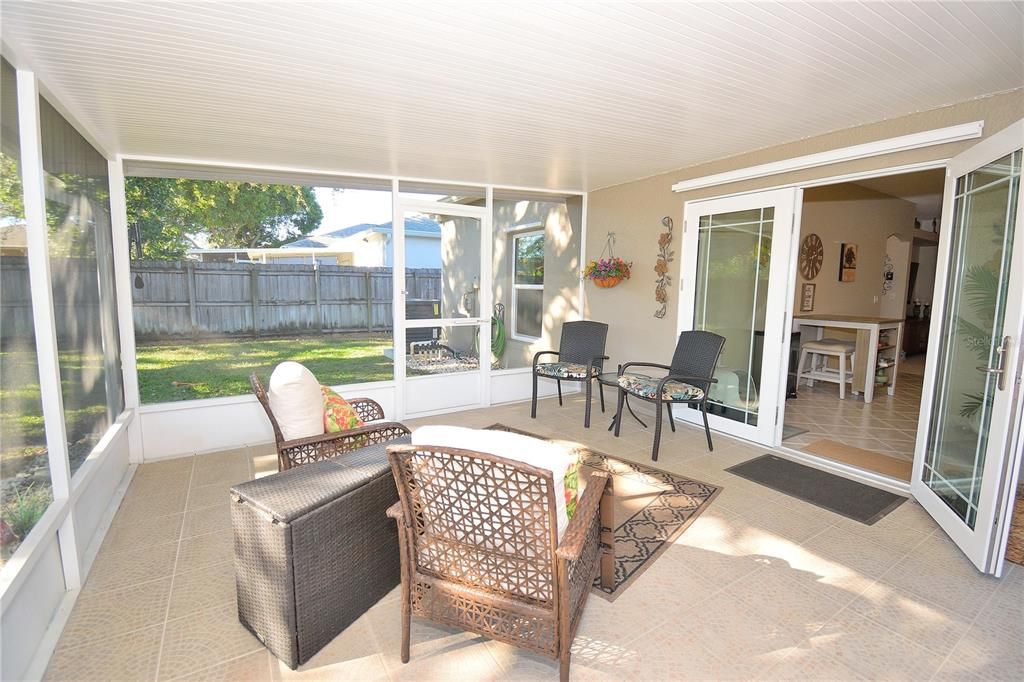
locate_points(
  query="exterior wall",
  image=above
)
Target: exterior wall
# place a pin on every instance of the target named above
(562, 233)
(634, 211)
(848, 213)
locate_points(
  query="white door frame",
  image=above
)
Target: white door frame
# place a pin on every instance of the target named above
(1000, 467)
(784, 202)
(441, 384)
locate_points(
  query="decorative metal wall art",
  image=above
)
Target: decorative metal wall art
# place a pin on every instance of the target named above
(665, 256)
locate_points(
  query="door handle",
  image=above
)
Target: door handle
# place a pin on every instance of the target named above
(1000, 369)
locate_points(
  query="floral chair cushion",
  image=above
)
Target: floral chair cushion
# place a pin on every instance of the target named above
(646, 387)
(564, 370)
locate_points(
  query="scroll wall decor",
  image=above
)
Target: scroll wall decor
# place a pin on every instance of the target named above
(665, 256)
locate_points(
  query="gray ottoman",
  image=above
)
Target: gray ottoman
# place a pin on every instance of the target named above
(314, 549)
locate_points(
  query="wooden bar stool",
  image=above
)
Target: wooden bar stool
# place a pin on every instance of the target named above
(819, 352)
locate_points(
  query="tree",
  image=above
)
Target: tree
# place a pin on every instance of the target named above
(172, 212)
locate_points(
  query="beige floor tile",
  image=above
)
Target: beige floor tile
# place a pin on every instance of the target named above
(131, 656)
(845, 548)
(203, 550)
(116, 570)
(229, 469)
(207, 520)
(141, 502)
(927, 624)
(202, 589)
(202, 640)
(142, 531)
(254, 667)
(203, 496)
(871, 650)
(102, 614)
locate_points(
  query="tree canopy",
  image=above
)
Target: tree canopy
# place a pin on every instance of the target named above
(173, 213)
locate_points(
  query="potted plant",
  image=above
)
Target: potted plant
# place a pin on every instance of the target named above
(607, 272)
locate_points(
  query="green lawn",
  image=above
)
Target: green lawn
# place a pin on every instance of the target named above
(210, 369)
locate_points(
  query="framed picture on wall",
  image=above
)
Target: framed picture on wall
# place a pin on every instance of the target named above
(847, 262)
(807, 298)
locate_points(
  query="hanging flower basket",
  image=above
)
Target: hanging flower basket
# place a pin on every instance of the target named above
(607, 272)
(607, 282)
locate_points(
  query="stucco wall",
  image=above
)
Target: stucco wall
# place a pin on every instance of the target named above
(634, 212)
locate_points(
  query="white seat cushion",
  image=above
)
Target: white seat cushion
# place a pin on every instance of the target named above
(828, 346)
(533, 451)
(296, 401)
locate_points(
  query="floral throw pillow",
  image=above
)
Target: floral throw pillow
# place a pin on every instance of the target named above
(338, 414)
(572, 487)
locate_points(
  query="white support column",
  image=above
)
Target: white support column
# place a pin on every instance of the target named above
(398, 297)
(485, 296)
(45, 325)
(125, 318)
(583, 258)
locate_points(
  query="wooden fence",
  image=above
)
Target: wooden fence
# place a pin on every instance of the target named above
(192, 299)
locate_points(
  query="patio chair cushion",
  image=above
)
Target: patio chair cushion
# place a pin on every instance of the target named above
(296, 401)
(338, 414)
(562, 464)
(647, 387)
(565, 370)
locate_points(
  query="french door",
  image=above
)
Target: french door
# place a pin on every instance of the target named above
(443, 280)
(735, 283)
(966, 463)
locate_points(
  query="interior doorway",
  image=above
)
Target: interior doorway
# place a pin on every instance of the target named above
(863, 291)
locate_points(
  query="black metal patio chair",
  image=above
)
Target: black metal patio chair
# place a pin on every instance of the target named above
(688, 381)
(580, 358)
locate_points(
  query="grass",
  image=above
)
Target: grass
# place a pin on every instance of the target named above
(211, 369)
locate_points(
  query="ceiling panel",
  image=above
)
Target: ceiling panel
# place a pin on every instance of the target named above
(557, 95)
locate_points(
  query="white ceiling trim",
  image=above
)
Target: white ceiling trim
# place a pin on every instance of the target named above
(158, 166)
(891, 145)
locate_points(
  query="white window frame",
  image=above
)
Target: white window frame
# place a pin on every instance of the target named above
(527, 287)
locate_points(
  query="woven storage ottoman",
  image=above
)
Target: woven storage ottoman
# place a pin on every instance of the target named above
(314, 549)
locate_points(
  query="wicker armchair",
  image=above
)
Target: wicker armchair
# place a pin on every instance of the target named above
(291, 453)
(580, 358)
(688, 381)
(479, 547)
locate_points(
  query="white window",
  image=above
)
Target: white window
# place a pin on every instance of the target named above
(528, 285)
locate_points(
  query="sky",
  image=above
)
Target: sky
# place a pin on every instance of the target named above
(345, 207)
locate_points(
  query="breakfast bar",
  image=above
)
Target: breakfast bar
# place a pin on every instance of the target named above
(870, 355)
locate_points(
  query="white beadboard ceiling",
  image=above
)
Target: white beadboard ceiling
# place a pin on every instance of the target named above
(557, 95)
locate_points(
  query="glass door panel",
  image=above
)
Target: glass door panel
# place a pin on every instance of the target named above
(976, 292)
(733, 264)
(964, 468)
(445, 280)
(735, 260)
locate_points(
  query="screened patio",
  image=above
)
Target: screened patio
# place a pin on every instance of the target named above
(437, 185)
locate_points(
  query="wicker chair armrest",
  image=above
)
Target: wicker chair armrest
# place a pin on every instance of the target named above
(623, 368)
(587, 513)
(395, 512)
(536, 356)
(369, 409)
(598, 360)
(315, 448)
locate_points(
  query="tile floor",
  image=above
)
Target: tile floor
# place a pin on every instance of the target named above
(761, 586)
(888, 424)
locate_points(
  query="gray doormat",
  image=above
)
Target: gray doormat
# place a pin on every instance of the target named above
(837, 494)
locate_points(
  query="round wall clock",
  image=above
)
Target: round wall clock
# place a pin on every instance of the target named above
(811, 255)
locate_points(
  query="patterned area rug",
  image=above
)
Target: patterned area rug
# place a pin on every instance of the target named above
(652, 509)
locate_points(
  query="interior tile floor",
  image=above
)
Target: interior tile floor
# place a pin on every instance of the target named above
(760, 586)
(888, 424)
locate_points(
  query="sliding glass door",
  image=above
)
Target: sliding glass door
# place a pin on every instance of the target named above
(735, 256)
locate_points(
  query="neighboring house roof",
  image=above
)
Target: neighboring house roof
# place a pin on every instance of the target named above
(417, 226)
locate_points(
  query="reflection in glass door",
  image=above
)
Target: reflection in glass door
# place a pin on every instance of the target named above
(734, 285)
(446, 281)
(963, 461)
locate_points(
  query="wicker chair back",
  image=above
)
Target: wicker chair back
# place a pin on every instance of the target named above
(582, 341)
(478, 520)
